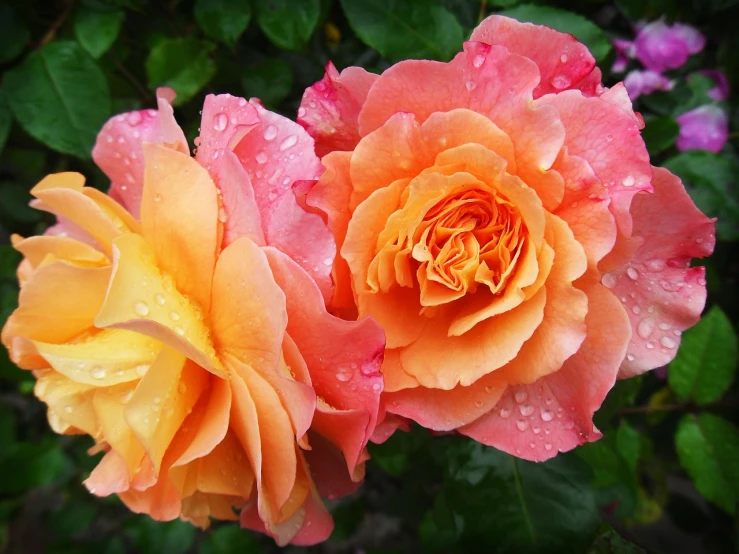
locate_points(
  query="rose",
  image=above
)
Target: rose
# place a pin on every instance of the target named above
(499, 217)
(188, 344)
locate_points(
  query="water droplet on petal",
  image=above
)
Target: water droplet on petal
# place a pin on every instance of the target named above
(134, 118)
(157, 197)
(179, 330)
(632, 273)
(141, 369)
(289, 142)
(563, 58)
(160, 299)
(68, 409)
(560, 82)
(98, 372)
(522, 424)
(636, 309)
(478, 60)
(667, 342)
(141, 308)
(377, 387)
(526, 409)
(520, 396)
(630, 357)
(548, 446)
(220, 121)
(270, 132)
(608, 280)
(174, 316)
(645, 328)
(505, 413)
(629, 181)
(343, 375)
(470, 85)
(546, 415)
(328, 262)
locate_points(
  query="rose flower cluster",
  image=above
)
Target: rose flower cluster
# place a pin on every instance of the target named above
(479, 246)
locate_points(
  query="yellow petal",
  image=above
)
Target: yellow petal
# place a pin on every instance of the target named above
(35, 249)
(162, 401)
(142, 299)
(108, 357)
(70, 400)
(179, 218)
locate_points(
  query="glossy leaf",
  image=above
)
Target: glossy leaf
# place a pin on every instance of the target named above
(401, 29)
(288, 25)
(708, 450)
(270, 81)
(60, 96)
(14, 34)
(183, 64)
(97, 26)
(705, 363)
(659, 134)
(223, 20)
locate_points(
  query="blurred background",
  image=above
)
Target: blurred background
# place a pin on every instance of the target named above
(665, 477)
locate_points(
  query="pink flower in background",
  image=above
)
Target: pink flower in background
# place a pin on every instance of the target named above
(624, 51)
(661, 47)
(639, 82)
(721, 91)
(704, 128)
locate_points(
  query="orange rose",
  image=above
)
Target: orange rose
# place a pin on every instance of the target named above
(499, 217)
(199, 358)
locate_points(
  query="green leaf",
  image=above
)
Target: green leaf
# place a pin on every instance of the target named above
(704, 366)
(97, 26)
(183, 64)
(223, 20)
(660, 133)
(13, 34)
(708, 450)
(60, 96)
(173, 537)
(6, 120)
(583, 29)
(609, 541)
(628, 444)
(228, 539)
(401, 29)
(711, 182)
(31, 465)
(270, 81)
(287, 24)
(517, 506)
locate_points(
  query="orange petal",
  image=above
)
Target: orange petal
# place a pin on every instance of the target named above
(248, 315)
(140, 298)
(59, 301)
(225, 470)
(397, 312)
(179, 217)
(438, 360)
(392, 370)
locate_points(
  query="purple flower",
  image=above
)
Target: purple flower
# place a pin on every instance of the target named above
(639, 82)
(624, 51)
(721, 91)
(704, 128)
(661, 47)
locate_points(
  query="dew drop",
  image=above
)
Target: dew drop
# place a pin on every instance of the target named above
(630, 357)
(522, 424)
(179, 330)
(563, 58)
(536, 430)
(174, 316)
(560, 82)
(270, 132)
(141, 308)
(505, 413)
(220, 121)
(301, 112)
(664, 326)
(68, 409)
(289, 142)
(478, 403)
(667, 342)
(547, 446)
(222, 215)
(645, 328)
(677, 332)
(328, 262)
(702, 282)
(478, 60)
(377, 387)
(608, 280)
(520, 396)
(160, 299)
(546, 415)
(650, 345)
(470, 85)
(134, 118)
(629, 181)
(632, 273)
(261, 157)
(157, 197)
(343, 376)
(526, 409)
(141, 369)
(636, 309)
(98, 372)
